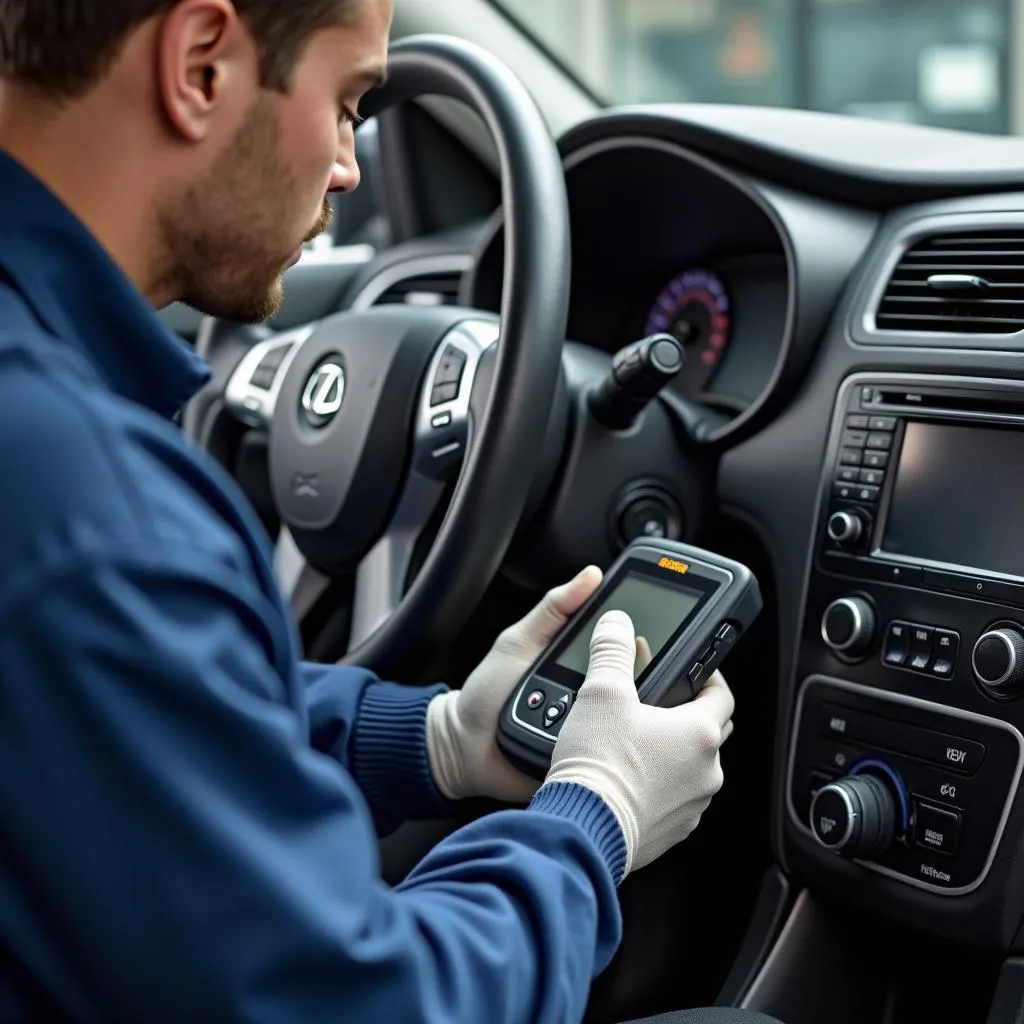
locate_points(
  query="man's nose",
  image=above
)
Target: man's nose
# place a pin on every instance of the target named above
(345, 175)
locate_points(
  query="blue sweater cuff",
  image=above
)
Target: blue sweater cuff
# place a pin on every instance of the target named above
(583, 806)
(389, 753)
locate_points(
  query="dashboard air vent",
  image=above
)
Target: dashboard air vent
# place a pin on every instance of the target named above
(968, 282)
(422, 290)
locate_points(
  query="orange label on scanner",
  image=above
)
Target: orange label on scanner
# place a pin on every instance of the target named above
(673, 566)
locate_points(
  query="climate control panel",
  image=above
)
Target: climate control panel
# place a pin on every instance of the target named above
(902, 786)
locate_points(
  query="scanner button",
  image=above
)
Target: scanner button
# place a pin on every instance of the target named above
(535, 699)
(727, 634)
(554, 713)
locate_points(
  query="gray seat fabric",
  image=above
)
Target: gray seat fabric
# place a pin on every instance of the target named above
(710, 1015)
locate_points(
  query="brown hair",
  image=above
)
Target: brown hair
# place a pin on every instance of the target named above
(64, 47)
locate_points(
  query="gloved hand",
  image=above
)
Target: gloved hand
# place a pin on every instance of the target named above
(656, 768)
(462, 725)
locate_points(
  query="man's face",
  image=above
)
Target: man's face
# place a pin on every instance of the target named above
(232, 233)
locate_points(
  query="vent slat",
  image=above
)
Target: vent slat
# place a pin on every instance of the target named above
(909, 304)
(423, 290)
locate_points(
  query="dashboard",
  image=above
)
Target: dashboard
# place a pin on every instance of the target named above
(838, 286)
(693, 253)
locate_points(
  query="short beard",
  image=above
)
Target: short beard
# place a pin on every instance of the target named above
(219, 252)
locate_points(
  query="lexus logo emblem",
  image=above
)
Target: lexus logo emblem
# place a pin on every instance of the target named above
(324, 393)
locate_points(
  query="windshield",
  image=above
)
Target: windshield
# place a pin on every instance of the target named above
(938, 62)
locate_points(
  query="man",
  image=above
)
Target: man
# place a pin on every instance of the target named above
(188, 811)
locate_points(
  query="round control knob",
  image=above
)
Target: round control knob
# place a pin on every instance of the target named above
(854, 816)
(998, 662)
(848, 626)
(845, 528)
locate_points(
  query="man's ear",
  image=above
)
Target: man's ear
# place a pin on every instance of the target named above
(206, 61)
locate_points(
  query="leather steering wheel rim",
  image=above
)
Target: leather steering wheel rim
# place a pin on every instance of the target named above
(495, 480)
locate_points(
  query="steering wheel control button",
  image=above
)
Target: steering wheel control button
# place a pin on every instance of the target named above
(451, 367)
(848, 626)
(264, 374)
(897, 644)
(443, 393)
(854, 816)
(535, 699)
(998, 661)
(936, 828)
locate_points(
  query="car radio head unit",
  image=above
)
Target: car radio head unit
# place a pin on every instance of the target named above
(928, 484)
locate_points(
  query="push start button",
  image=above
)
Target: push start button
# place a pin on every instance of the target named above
(646, 513)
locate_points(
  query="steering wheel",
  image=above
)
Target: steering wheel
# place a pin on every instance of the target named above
(372, 415)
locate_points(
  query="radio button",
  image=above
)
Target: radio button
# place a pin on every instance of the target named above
(882, 423)
(844, 492)
(875, 460)
(897, 645)
(848, 626)
(935, 580)
(935, 828)
(848, 475)
(871, 477)
(920, 649)
(946, 645)
(850, 457)
(856, 422)
(949, 751)
(993, 590)
(887, 572)
(854, 438)
(868, 495)
(880, 442)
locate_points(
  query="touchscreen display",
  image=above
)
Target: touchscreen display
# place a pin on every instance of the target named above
(657, 609)
(958, 497)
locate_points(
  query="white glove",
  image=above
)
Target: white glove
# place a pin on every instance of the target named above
(656, 768)
(462, 726)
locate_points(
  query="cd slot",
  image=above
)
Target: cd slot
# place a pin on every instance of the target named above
(1002, 404)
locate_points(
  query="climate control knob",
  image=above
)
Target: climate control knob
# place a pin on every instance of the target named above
(846, 528)
(998, 662)
(848, 626)
(854, 816)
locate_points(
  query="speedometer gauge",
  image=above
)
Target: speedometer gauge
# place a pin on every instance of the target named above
(694, 309)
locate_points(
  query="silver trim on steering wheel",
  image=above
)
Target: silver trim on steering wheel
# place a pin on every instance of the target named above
(441, 437)
(252, 392)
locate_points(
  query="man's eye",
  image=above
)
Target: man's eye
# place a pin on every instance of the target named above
(348, 115)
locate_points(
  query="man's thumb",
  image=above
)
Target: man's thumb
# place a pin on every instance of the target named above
(613, 651)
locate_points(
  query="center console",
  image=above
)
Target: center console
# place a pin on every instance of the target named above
(906, 749)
